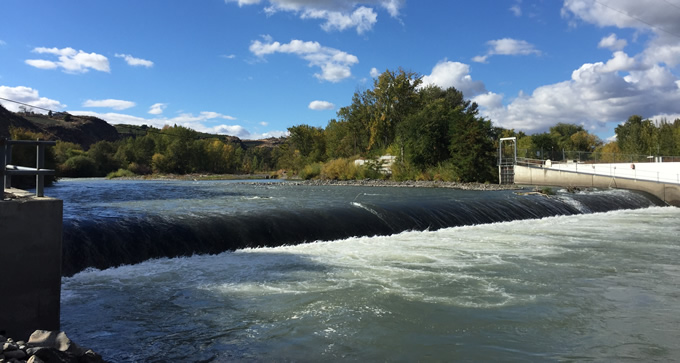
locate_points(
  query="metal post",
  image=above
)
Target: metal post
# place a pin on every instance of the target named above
(39, 164)
(2, 167)
(8, 160)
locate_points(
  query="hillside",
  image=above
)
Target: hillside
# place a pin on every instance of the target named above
(83, 130)
(87, 130)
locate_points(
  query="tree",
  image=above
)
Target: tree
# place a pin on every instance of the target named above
(395, 95)
(309, 141)
(472, 146)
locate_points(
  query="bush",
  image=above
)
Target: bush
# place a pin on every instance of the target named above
(121, 173)
(339, 169)
(139, 169)
(78, 166)
(311, 171)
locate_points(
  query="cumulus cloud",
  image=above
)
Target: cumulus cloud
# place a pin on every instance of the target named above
(335, 64)
(157, 108)
(612, 42)
(135, 62)
(28, 96)
(374, 72)
(321, 105)
(597, 93)
(454, 74)
(337, 14)
(110, 103)
(362, 19)
(507, 46)
(70, 60)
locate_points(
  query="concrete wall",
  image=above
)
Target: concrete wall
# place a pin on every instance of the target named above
(669, 193)
(30, 265)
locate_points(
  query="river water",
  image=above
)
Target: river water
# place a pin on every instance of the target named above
(576, 285)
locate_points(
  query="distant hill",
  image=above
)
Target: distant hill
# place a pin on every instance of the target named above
(87, 130)
(83, 130)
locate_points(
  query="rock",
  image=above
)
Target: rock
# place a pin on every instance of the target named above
(14, 354)
(53, 355)
(54, 339)
(9, 346)
(35, 359)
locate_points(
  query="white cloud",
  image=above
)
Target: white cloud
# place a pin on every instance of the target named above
(110, 103)
(516, 9)
(454, 74)
(507, 46)
(659, 20)
(374, 72)
(2, 42)
(321, 105)
(29, 96)
(362, 19)
(42, 64)
(659, 17)
(201, 122)
(70, 60)
(135, 62)
(157, 108)
(228, 56)
(597, 93)
(335, 64)
(612, 42)
(489, 100)
(338, 14)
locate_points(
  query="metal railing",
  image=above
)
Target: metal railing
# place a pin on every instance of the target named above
(623, 170)
(593, 157)
(7, 170)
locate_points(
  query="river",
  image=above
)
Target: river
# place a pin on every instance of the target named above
(588, 276)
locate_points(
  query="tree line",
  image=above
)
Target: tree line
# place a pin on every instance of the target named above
(434, 133)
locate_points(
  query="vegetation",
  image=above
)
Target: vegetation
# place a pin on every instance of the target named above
(434, 133)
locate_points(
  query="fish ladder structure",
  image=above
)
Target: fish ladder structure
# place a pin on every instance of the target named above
(661, 179)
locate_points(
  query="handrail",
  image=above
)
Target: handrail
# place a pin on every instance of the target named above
(7, 170)
(613, 170)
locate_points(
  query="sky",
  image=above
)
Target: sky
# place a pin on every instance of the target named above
(253, 68)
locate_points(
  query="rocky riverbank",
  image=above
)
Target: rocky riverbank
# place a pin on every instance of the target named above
(46, 346)
(404, 184)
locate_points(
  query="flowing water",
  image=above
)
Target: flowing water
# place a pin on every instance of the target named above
(395, 274)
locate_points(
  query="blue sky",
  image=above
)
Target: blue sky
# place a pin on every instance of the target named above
(253, 68)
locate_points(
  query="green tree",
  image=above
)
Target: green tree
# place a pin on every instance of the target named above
(395, 96)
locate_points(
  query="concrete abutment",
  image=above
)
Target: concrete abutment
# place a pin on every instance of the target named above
(30, 264)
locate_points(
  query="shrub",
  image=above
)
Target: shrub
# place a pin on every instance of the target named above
(78, 166)
(311, 171)
(121, 173)
(139, 169)
(339, 169)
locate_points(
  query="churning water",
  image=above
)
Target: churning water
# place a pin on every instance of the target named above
(560, 283)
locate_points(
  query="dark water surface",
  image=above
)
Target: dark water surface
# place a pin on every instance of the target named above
(561, 283)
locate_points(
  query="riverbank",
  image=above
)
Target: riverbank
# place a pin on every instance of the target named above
(403, 184)
(259, 179)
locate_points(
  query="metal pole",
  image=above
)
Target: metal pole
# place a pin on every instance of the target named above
(8, 160)
(39, 163)
(2, 167)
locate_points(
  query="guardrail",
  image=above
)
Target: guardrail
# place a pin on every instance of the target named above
(7, 169)
(646, 171)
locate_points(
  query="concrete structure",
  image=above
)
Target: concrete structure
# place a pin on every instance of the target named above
(30, 263)
(659, 179)
(383, 164)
